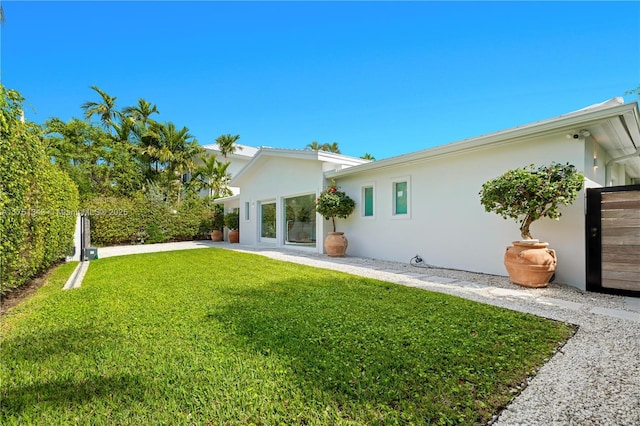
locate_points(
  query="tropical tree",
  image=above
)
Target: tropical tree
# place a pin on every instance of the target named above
(98, 162)
(634, 91)
(313, 146)
(141, 112)
(327, 147)
(368, 156)
(212, 176)
(331, 147)
(105, 109)
(175, 154)
(227, 144)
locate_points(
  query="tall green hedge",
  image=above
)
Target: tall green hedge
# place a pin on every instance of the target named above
(38, 202)
(120, 220)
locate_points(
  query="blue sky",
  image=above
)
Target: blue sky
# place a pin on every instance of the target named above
(386, 78)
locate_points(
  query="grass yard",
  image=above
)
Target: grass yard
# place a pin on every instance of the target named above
(215, 337)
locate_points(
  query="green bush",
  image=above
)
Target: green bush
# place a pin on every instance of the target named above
(119, 220)
(38, 202)
(529, 193)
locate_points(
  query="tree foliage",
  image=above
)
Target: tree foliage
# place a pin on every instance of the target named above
(227, 144)
(529, 193)
(368, 156)
(332, 203)
(212, 176)
(327, 147)
(121, 152)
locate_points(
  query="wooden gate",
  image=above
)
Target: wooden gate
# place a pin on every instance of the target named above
(613, 240)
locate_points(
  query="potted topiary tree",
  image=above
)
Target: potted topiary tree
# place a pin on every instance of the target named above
(526, 195)
(332, 203)
(217, 224)
(232, 221)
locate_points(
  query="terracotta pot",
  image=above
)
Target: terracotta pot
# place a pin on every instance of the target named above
(336, 244)
(234, 236)
(216, 235)
(530, 263)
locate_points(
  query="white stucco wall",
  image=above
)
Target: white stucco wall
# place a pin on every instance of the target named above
(448, 226)
(271, 180)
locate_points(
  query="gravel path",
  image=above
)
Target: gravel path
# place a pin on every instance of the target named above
(593, 380)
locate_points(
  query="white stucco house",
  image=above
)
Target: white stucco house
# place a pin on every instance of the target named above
(427, 202)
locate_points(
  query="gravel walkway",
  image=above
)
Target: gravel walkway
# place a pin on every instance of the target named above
(593, 380)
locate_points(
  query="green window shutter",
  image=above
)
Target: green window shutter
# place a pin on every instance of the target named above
(368, 201)
(401, 197)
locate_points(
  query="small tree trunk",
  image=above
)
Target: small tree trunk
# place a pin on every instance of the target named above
(333, 219)
(524, 228)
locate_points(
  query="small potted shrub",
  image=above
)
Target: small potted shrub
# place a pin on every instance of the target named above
(526, 195)
(232, 221)
(332, 203)
(217, 225)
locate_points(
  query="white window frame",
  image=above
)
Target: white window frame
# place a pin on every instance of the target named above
(394, 181)
(364, 186)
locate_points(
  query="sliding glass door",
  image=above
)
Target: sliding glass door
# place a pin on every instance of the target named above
(300, 215)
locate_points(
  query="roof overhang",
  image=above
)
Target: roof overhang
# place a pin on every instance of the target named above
(614, 125)
(225, 200)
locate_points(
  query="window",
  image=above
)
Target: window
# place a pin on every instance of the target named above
(300, 215)
(268, 220)
(367, 204)
(246, 210)
(401, 199)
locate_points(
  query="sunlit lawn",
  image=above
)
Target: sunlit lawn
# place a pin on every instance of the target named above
(219, 337)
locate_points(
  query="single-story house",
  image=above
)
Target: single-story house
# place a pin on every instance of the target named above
(427, 202)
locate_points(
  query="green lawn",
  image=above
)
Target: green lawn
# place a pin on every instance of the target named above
(218, 337)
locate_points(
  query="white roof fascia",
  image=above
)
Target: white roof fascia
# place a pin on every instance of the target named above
(244, 151)
(226, 199)
(296, 153)
(503, 137)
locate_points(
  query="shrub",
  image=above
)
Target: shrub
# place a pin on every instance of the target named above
(38, 202)
(528, 194)
(232, 221)
(121, 220)
(334, 203)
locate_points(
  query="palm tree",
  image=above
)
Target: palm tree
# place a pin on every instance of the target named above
(368, 156)
(313, 146)
(332, 147)
(105, 109)
(213, 177)
(327, 147)
(177, 150)
(141, 112)
(227, 144)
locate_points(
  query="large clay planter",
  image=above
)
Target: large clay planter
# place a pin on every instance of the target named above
(234, 236)
(216, 235)
(530, 263)
(336, 244)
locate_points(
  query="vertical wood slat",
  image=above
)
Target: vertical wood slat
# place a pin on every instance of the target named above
(620, 240)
